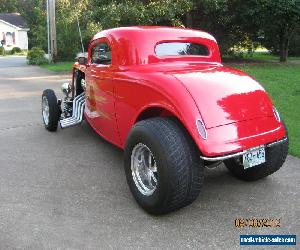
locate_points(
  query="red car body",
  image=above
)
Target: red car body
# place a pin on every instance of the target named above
(235, 109)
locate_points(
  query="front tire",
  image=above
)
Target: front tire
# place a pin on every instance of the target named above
(50, 110)
(162, 165)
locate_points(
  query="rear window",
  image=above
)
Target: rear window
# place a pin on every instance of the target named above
(181, 49)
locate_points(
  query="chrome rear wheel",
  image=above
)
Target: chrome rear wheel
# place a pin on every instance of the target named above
(162, 165)
(45, 110)
(144, 169)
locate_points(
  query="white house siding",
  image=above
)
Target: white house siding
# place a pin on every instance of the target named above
(20, 36)
(22, 39)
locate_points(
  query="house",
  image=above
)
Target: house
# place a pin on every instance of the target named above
(13, 31)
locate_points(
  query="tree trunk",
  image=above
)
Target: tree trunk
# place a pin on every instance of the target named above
(284, 47)
(189, 20)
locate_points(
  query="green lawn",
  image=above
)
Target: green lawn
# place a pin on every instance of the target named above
(59, 67)
(257, 57)
(282, 81)
(268, 57)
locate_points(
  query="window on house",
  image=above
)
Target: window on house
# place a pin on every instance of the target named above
(9, 39)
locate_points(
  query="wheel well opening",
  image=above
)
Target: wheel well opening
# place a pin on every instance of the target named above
(161, 112)
(154, 112)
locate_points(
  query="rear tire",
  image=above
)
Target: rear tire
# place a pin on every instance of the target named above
(275, 157)
(50, 110)
(178, 168)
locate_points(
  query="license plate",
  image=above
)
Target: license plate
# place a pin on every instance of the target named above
(254, 157)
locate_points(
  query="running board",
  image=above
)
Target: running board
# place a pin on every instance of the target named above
(77, 112)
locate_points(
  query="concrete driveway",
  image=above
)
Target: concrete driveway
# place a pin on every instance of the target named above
(67, 190)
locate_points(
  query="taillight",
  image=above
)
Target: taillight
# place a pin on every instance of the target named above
(201, 129)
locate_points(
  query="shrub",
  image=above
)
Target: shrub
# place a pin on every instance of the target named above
(15, 50)
(2, 51)
(36, 56)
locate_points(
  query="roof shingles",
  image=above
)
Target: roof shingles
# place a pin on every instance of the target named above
(14, 19)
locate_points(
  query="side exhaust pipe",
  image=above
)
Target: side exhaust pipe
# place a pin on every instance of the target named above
(77, 112)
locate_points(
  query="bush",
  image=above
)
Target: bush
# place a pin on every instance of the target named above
(15, 50)
(36, 56)
(2, 51)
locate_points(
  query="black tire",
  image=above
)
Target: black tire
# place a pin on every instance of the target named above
(54, 110)
(179, 167)
(275, 157)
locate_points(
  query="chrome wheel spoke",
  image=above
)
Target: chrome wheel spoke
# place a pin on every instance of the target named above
(152, 176)
(154, 168)
(146, 189)
(152, 163)
(150, 160)
(144, 169)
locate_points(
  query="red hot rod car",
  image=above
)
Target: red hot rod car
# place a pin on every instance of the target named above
(163, 96)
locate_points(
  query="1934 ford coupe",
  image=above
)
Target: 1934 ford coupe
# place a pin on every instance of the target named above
(163, 96)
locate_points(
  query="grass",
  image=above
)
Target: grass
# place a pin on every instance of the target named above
(257, 57)
(59, 67)
(8, 53)
(282, 82)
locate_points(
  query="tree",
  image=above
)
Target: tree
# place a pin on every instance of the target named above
(9, 6)
(294, 48)
(274, 22)
(232, 22)
(68, 39)
(214, 16)
(282, 17)
(34, 12)
(146, 12)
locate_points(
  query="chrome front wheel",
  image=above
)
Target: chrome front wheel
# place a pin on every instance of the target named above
(45, 110)
(50, 110)
(144, 169)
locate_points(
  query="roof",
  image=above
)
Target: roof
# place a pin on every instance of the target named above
(15, 19)
(136, 45)
(154, 31)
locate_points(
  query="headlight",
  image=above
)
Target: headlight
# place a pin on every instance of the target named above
(66, 88)
(276, 114)
(201, 129)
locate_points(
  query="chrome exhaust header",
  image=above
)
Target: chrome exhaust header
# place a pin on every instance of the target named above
(77, 112)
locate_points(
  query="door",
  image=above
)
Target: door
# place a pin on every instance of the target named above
(100, 100)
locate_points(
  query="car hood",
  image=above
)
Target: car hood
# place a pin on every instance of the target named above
(225, 95)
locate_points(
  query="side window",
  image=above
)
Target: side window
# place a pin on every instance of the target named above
(101, 54)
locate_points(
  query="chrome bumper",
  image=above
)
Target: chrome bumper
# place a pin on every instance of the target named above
(225, 157)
